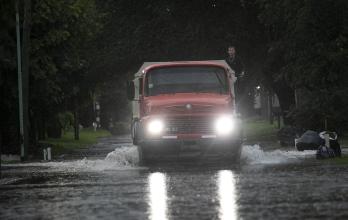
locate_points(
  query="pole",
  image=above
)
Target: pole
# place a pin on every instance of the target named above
(0, 152)
(20, 87)
(25, 74)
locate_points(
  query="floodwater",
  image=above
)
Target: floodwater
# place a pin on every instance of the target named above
(269, 184)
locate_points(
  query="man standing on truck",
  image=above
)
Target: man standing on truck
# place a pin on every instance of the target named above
(235, 62)
(237, 66)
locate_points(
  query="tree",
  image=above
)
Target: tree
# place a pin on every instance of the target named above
(310, 38)
(61, 32)
(8, 79)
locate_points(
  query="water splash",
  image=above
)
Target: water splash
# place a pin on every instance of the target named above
(255, 155)
(124, 157)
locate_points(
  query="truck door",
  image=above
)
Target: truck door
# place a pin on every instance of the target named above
(138, 82)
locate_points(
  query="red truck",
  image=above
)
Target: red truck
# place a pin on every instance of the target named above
(185, 109)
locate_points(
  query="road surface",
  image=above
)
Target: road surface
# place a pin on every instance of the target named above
(108, 184)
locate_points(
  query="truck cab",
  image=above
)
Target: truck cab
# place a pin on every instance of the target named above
(185, 108)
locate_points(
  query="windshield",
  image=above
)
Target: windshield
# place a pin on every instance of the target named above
(192, 79)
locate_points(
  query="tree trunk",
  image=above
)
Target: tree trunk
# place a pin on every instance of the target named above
(33, 130)
(270, 108)
(42, 128)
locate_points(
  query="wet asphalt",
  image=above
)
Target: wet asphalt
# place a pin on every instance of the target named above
(108, 184)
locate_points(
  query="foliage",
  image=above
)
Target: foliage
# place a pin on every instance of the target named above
(8, 78)
(61, 32)
(66, 120)
(61, 38)
(309, 39)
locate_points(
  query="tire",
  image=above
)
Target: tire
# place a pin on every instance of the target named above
(140, 155)
(135, 132)
(143, 157)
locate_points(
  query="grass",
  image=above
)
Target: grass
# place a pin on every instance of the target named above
(9, 161)
(260, 130)
(341, 160)
(66, 143)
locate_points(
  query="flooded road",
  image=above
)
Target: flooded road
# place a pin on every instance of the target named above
(269, 184)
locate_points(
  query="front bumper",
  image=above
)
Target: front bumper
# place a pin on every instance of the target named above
(192, 146)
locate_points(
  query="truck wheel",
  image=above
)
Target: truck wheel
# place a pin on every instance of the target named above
(143, 160)
(135, 132)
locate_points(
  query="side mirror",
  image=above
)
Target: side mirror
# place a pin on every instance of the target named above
(130, 90)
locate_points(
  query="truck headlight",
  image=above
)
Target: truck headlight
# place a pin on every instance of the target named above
(155, 127)
(225, 125)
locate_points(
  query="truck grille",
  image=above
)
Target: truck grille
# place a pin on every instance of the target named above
(189, 125)
(194, 108)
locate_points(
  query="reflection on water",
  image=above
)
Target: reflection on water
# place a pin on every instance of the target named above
(157, 196)
(227, 195)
